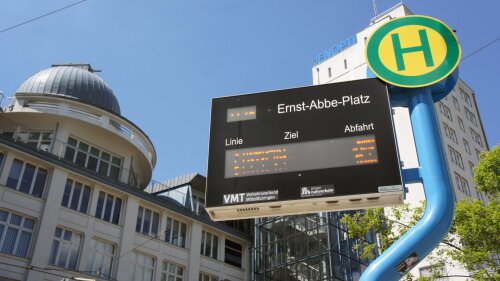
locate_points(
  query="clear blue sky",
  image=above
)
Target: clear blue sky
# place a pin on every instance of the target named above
(166, 59)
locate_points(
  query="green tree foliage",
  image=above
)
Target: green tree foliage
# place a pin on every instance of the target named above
(478, 224)
(487, 173)
(388, 230)
(478, 228)
(474, 238)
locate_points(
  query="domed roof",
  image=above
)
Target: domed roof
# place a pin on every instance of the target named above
(74, 81)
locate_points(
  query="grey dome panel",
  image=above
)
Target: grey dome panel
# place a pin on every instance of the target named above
(74, 82)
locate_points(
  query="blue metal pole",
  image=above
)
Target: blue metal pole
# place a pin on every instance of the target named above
(421, 239)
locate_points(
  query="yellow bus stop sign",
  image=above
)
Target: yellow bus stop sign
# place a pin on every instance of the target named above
(413, 51)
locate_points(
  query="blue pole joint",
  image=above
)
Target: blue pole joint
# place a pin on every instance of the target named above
(421, 239)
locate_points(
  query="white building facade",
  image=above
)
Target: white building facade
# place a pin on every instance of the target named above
(72, 205)
(458, 116)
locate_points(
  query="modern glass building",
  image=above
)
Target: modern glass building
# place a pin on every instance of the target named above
(305, 247)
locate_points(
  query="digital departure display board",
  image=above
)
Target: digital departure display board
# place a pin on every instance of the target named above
(319, 148)
(301, 156)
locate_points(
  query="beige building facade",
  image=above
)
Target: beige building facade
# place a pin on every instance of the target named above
(72, 203)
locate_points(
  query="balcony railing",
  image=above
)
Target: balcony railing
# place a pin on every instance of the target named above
(117, 125)
(6, 103)
(47, 144)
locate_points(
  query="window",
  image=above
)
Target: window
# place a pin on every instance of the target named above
(430, 271)
(458, 182)
(142, 268)
(465, 186)
(466, 145)
(27, 178)
(209, 244)
(147, 222)
(15, 233)
(93, 158)
(65, 248)
(108, 207)
(329, 72)
(471, 168)
(132, 178)
(479, 195)
(198, 204)
(470, 116)
(478, 155)
(465, 97)
(232, 253)
(455, 157)
(38, 140)
(455, 103)
(100, 259)
(476, 137)
(462, 184)
(445, 111)
(461, 124)
(207, 277)
(2, 156)
(175, 232)
(172, 272)
(450, 133)
(76, 196)
(458, 160)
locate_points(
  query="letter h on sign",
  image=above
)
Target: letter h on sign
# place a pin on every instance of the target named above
(399, 51)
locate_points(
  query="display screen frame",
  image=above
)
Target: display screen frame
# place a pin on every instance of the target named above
(278, 115)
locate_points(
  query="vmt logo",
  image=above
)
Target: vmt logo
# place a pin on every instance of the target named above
(413, 51)
(234, 198)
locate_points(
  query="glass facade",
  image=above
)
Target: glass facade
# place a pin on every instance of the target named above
(305, 247)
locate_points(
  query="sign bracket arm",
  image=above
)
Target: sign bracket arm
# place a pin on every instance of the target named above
(422, 238)
(411, 175)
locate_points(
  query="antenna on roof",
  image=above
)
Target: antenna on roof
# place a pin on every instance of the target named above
(375, 7)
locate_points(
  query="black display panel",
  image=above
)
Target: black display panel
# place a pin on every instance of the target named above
(312, 142)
